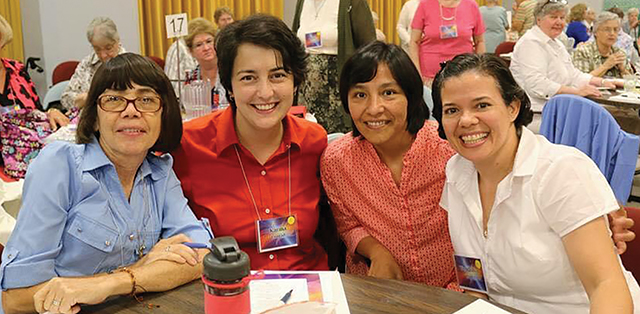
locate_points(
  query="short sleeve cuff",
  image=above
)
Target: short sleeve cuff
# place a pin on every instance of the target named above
(586, 220)
(353, 237)
(26, 275)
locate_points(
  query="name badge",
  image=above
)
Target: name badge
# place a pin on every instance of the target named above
(469, 273)
(277, 233)
(448, 31)
(313, 40)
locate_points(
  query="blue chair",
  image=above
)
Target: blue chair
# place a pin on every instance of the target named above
(576, 121)
(54, 94)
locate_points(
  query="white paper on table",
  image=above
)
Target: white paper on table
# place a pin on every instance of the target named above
(331, 285)
(266, 293)
(481, 306)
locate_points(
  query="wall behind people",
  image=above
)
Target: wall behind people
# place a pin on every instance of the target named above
(153, 34)
(56, 31)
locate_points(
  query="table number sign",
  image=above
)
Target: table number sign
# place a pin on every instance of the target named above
(176, 25)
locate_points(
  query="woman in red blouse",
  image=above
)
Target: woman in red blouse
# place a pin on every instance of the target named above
(16, 88)
(253, 164)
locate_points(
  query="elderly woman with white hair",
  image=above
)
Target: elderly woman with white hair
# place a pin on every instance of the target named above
(542, 65)
(102, 34)
(600, 57)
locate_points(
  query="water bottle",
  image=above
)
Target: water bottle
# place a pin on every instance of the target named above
(226, 278)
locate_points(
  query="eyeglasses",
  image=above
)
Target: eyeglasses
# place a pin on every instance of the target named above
(563, 2)
(113, 103)
(202, 44)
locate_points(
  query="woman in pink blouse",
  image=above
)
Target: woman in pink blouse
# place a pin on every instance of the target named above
(385, 179)
(442, 29)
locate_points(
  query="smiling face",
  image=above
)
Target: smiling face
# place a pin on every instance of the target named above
(379, 109)
(553, 23)
(607, 33)
(128, 134)
(478, 124)
(262, 89)
(202, 48)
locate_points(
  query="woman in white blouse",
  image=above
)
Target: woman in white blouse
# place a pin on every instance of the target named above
(533, 212)
(542, 65)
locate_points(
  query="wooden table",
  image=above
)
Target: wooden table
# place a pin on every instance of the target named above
(364, 295)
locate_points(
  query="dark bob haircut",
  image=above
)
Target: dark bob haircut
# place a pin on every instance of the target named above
(264, 31)
(119, 74)
(363, 66)
(490, 65)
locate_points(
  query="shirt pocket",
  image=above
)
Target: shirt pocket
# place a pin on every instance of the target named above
(87, 244)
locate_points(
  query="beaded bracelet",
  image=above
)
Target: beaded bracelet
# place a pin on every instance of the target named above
(133, 279)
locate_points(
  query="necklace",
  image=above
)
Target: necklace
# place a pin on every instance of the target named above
(318, 7)
(455, 10)
(246, 180)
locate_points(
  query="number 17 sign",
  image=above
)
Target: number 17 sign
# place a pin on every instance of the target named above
(176, 25)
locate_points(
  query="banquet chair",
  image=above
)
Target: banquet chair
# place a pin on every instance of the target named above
(576, 121)
(63, 71)
(158, 61)
(505, 47)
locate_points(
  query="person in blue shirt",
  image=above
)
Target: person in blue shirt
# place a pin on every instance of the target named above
(576, 28)
(105, 216)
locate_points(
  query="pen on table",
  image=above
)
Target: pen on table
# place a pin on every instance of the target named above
(286, 297)
(195, 245)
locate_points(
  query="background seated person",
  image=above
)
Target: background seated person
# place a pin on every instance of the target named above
(223, 17)
(518, 202)
(541, 64)
(103, 36)
(384, 180)
(577, 29)
(92, 208)
(16, 87)
(200, 41)
(253, 162)
(600, 57)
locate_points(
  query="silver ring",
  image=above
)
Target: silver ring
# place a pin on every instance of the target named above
(55, 303)
(167, 248)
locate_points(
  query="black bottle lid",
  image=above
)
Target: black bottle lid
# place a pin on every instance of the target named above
(226, 262)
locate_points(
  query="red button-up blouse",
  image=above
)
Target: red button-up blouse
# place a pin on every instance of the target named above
(207, 165)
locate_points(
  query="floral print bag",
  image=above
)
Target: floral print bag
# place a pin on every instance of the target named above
(22, 132)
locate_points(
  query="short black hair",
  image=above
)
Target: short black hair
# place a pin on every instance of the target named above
(491, 65)
(362, 67)
(120, 73)
(265, 31)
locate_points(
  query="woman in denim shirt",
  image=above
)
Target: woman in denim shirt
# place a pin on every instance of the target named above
(105, 216)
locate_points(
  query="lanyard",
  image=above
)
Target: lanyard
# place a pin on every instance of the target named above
(246, 180)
